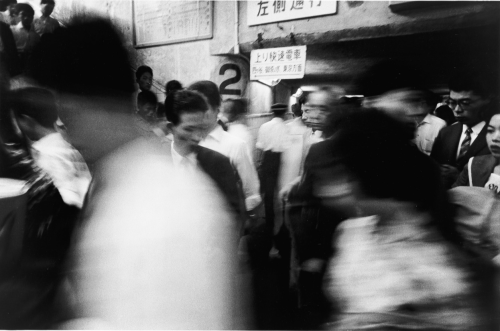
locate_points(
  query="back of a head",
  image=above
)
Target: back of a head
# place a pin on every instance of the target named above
(47, 2)
(279, 109)
(24, 7)
(146, 97)
(183, 101)
(142, 70)
(85, 57)
(377, 149)
(36, 103)
(173, 85)
(209, 90)
(234, 108)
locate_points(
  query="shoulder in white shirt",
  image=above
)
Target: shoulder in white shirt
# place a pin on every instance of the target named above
(237, 152)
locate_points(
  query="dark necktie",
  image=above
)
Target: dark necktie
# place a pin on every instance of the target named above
(465, 143)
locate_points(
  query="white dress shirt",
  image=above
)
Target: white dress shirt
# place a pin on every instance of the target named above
(25, 39)
(241, 131)
(65, 166)
(187, 163)
(272, 136)
(235, 149)
(427, 131)
(475, 131)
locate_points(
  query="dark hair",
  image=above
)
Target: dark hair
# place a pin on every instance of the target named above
(36, 103)
(68, 59)
(172, 85)
(142, 70)
(209, 90)
(47, 2)
(470, 80)
(146, 97)
(235, 108)
(25, 8)
(183, 101)
(297, 109)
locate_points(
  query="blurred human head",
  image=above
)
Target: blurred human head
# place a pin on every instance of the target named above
(147, 104)
(377, 155)
(172, 85)
(186, 113)
(4, 4)
(25, 14)
(410, 106)
(144, 77)
(211, 93)
(94, 111)
(234, 109)
(316, 108)
(34, 107)
(470, 96)
(47, 7)
(279, 109)
(493, 135)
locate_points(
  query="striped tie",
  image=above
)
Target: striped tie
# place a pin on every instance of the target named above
(466, 143)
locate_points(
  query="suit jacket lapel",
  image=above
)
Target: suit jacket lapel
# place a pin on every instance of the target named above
(455, 140)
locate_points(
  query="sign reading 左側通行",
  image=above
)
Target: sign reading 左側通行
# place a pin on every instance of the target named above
(262, 12)
(278, 63)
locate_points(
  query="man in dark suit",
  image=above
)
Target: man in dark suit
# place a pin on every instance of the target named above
(470, 99)
(185, 111)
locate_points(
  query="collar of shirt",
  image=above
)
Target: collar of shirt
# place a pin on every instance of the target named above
(277, 119)
(426, 120)
(475, 129)
(177, 158)
(216, 133)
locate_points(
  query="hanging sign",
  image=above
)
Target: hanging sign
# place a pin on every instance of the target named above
(278, 63)
(231, 76)
(262, 12)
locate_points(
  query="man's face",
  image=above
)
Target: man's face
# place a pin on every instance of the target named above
(468, 107)
(145, 81)
(148, 112)
(315, 110)
(190, 130)
(26, 18)
(47, 9)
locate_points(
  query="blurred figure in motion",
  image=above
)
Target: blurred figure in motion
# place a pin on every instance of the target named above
(46, 23)
(153, 247)
(226, 144)
(311, 224)
(413, 106)
(271, 142)
(471, 100)
(395, 266)
(233, 112)
(26, 38)
(186, 112)
(36, 115)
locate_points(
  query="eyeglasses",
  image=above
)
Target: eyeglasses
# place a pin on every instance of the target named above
(464, 104)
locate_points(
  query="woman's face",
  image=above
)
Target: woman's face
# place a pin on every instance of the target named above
(493, 136)
(145, 81)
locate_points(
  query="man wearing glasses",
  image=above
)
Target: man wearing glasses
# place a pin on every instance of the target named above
(470, 98)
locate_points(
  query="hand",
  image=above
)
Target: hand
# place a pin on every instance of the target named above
(285, 191)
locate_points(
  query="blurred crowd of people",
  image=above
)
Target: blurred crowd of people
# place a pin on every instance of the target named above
(145, 214)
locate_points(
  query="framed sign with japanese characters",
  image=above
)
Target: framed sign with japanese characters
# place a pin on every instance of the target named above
(262, 12)
(278, 63)
(158, 22)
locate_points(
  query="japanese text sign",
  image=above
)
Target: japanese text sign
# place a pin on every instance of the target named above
(278, 63)
(262, 12)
